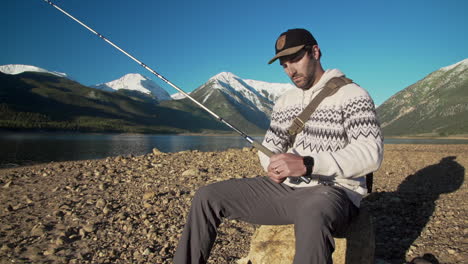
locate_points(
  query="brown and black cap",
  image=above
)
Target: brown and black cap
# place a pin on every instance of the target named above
(291, 42)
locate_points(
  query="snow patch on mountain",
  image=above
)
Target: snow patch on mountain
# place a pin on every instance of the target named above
(272, 91)
(135, 82)
(463, 63)
(14, 69)
(255, 95)
(178, 96)
(448, 77)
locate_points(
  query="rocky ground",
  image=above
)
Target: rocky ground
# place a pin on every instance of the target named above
(132, 209)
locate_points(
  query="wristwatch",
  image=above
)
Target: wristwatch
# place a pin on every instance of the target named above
(309, 164)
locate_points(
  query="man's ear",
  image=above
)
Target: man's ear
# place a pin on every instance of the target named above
(315, 52)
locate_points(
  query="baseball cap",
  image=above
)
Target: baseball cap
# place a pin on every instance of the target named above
(292, 41)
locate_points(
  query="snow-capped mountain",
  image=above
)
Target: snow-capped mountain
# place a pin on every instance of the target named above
(463, 65)
(238, 90)
(20, 68)
(258, 93)
(136, 82)
(246, 103)
(272, 91)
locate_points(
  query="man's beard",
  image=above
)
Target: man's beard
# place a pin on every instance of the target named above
(307, 81)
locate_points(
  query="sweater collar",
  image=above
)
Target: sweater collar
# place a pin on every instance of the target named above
(327, 75)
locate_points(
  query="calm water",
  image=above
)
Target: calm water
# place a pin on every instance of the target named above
(76, 146)
(44, 147)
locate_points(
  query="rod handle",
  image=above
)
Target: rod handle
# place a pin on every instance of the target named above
(262, 148)
(269, 153)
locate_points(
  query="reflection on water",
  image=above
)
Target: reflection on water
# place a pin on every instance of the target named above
(71, 146)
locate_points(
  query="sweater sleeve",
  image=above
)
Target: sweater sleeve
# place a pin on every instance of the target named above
(364, 152)
(276, 138)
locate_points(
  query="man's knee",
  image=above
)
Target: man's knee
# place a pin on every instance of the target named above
(323, 204)
(204, 194)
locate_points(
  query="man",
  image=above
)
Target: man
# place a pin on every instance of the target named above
(340, 143)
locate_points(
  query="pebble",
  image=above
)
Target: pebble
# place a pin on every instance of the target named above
(60, 241)
(89, 228)
(451, 251)
(149, 195)
(106, 210)
(5, 248)
(191, 172)
(100, 203)
(49, 252)
(157, 151)
(7, 185)
(38, 230)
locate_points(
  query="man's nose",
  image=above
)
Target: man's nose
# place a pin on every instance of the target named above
(290, 70)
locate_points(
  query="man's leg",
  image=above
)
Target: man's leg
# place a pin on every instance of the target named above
(254, 200)
(320, 212)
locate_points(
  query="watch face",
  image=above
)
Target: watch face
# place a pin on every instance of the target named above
(309, 164)
(308, 161)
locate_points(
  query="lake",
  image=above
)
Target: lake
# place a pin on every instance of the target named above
(45, 147)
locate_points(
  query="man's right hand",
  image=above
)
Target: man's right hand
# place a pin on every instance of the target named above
(276, 176)
(284, 165)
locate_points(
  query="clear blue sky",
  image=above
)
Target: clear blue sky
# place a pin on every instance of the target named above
(383, 45)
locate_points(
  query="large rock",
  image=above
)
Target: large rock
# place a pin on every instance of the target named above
(275, 244)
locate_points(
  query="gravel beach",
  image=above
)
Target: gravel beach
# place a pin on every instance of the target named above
(132, 209)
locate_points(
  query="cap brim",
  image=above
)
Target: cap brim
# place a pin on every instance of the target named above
(286, 52)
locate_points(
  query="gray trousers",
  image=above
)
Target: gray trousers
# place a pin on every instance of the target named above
(317, 213)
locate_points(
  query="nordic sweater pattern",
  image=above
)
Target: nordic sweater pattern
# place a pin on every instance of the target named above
(343, 135)
(328, 129)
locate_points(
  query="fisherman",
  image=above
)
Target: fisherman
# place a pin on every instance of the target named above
(337, 146)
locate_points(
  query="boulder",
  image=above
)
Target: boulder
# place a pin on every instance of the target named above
(275, 244)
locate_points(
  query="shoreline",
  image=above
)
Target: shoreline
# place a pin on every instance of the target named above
(232, 133)
(457, 137)
(27, 163)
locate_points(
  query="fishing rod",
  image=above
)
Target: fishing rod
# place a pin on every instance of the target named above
(254, 143)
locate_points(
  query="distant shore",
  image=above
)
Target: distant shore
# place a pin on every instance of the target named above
(429, 137)
(227, 133)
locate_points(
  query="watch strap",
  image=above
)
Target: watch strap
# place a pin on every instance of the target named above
(309, 164)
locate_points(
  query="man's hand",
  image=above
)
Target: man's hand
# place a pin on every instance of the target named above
(284, 165)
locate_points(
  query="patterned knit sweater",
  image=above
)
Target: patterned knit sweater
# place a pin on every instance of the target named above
(343, 135)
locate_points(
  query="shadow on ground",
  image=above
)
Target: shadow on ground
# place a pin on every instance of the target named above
(401, 216)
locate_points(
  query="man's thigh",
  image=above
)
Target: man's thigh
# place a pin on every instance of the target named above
(262, 201)
(255, 200)
(321, 204)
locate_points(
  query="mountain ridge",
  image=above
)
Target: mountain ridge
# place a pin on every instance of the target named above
(135, 82)
(436, 105)
(42, 101)
(241, 104)
(15, 69)
(228, 95)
